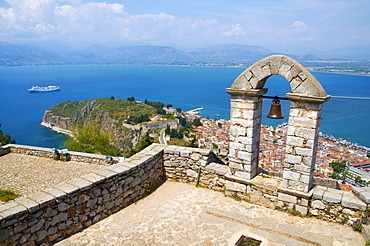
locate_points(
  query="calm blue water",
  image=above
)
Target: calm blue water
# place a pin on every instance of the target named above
(185, 87)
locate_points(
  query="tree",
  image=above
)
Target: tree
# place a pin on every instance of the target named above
(168, 130)
(196, 122)
(339, 167)
(92, 139)
(144, 142)
(182, 121)
(5, 139)
(131, 99)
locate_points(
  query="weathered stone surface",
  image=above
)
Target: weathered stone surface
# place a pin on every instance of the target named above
(37, 226)
(58, 218)
(4, 234)
(233, 186)
(365, 196)
(13, 211)
(366, 232)
(32, 206)
(287, 198)
(291, 175)
(41, 235)
(217, 169)
(318, 192)
(245, 175)
(318, 204)
(63, 206)
(191, 173)
(301, 209)
(350, 201)
(332, 197)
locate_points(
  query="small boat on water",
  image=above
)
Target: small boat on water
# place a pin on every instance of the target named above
(46, 88)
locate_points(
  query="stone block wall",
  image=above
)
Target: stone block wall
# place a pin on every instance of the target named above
(245, 119)
(4, 150)
(49, 153)
(193, 165)
(71, 206)
(68, 207)
(301, 145)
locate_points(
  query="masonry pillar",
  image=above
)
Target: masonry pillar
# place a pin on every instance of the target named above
(301, 143)
(245, 128)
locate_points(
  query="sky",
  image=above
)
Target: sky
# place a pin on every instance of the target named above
(294, 26)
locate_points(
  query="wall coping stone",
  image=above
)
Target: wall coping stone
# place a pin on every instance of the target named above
(318, 192)
(217, 169)
(106, 173)
(55, 192)
(332, 197)
(67, 188)
(93, 177)
(13, 211)
(238, 179)
(365, 196)
(176, 150)
(307, 98)
(118, 168)
(83, 184)
(42, 198)
(246, 92)
(31, 205)
(296, 193)
(350, 201)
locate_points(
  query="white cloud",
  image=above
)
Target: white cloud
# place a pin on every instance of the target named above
(194, 24)
(95, 22)
(236, 30)
(299, 24)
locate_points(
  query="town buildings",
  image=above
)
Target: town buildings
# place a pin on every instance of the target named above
(214, 134)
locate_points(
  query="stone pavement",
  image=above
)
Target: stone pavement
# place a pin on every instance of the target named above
(181, 214)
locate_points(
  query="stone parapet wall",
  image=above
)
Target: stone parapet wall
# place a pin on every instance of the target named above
(50, 153)
(4, 150)
(193, 165)
(71, 206)
(161, 125)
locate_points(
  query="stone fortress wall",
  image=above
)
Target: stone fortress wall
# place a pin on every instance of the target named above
(69, 207)
(66, 208)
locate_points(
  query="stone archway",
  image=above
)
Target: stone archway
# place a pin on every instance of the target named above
(306, 98)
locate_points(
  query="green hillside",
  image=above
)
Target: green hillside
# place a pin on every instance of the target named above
(122, 111)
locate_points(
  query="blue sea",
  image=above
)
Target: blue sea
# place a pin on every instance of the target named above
(183, 86)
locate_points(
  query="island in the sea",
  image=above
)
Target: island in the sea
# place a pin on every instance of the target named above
(128, 121)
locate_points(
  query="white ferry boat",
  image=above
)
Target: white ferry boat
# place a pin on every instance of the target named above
(46, 88)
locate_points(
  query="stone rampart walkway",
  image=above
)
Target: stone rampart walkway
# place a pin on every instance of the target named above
(181, 214)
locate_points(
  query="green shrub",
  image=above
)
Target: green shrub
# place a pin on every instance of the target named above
(7, 195)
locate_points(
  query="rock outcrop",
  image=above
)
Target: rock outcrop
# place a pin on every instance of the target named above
(94, 111)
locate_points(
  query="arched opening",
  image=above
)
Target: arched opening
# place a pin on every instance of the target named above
(306, 96)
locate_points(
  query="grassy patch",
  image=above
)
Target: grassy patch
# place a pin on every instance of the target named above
(7, 195)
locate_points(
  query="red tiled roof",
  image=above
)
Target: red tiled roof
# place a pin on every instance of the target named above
(316, 174)
(346, 187)
(360, 163)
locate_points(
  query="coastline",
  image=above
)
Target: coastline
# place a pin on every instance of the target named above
(57, 129)
(179, 65)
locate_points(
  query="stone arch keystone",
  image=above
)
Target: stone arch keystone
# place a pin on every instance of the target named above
(307, 96)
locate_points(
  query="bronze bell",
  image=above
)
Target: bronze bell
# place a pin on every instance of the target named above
(275, 110)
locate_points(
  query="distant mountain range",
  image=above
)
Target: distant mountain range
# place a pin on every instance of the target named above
(231, 54)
